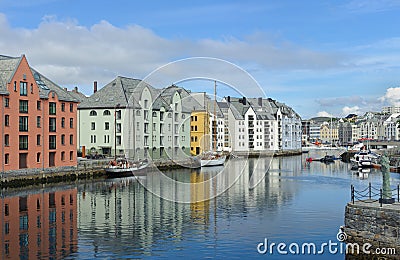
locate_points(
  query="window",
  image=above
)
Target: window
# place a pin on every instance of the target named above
(37, 139)
(146, 104)
(15, 86)
(118, 140)
(7, 102)
(63, 107)
(31, 88)
(23, 124)
(52, 108)
(106, 113)
(7, 120)
(52, 142)
(38, 160)
(52, 124)
(71, 123)
(93, 126)
(23, 88)
(138, 112)
(62, 156)
(38, 121)
(7, 159)
(106, 126)
(39, 105)
(63, 122)
(62, 139)
(23, 142)
(146, 114)
(71, 139)
(93, 139)
(118, 114)
(23, 106)
(93, 113)
(71, 107)
(118, 128)
(71, 155)
(6, 140)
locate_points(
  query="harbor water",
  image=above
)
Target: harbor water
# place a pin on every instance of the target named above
(216, 212)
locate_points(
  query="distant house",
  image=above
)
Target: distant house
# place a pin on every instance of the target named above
(260, 125)
(39, 118)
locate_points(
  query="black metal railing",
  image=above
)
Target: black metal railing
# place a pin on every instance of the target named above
(372, 194)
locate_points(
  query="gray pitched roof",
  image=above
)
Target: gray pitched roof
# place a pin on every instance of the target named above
(8, 65)
(265, 109)
(123, 91)
(63, 95)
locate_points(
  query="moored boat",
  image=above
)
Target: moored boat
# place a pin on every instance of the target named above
(212, 160)
(124, 168)
(364, 159)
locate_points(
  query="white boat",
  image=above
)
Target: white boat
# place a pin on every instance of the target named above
(364, 159)
(212, 160)
(124, 168)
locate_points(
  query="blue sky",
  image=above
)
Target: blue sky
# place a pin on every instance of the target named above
(320, 57)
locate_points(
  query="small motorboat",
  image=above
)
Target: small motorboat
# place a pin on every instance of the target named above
(124, 168)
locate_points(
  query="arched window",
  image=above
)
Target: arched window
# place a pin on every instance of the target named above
(93, 113)
(106, 113)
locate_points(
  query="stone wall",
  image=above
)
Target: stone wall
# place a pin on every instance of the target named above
(378, 226)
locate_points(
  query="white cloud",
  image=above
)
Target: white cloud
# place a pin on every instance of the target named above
(71, 54)
(350, 110)
(391, 97)
(324, 114)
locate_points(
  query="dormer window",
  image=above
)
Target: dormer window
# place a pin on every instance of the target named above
(93, 113)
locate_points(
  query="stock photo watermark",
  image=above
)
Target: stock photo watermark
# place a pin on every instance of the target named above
(334, 247)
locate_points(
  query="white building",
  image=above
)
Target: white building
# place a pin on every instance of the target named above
(261, 125)
(130, 118)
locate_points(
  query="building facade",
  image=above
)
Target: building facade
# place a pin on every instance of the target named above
(39, 119)
(129, 118)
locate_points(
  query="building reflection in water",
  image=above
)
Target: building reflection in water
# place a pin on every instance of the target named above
(41, 225)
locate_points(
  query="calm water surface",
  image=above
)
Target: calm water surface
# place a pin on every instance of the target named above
(296, 202)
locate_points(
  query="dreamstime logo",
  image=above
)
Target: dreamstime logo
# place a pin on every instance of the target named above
(341, 236)
(162, 125)
(330, 247)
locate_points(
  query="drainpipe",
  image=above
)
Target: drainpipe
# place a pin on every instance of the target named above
(2, 143)
(43, 126)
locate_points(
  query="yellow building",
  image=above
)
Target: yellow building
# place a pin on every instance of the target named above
(329, 134)
(199, 132)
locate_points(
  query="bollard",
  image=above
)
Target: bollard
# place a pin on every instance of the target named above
(352, 193)
(381, 196)
(369, 189)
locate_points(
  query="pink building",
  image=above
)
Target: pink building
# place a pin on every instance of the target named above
(39, 119)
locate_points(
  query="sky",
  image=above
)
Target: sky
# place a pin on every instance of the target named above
(321, 57)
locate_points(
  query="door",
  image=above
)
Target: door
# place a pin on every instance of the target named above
(23, 160)
(197, 150)
(52, 158)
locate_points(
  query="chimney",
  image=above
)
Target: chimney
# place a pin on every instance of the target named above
(229, 99)
(65, 89)
(94, 87)
(76, 89)
(260, 101)
(244, 100)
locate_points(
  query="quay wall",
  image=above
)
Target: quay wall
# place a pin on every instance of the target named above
(90, 169)
(378, 226)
